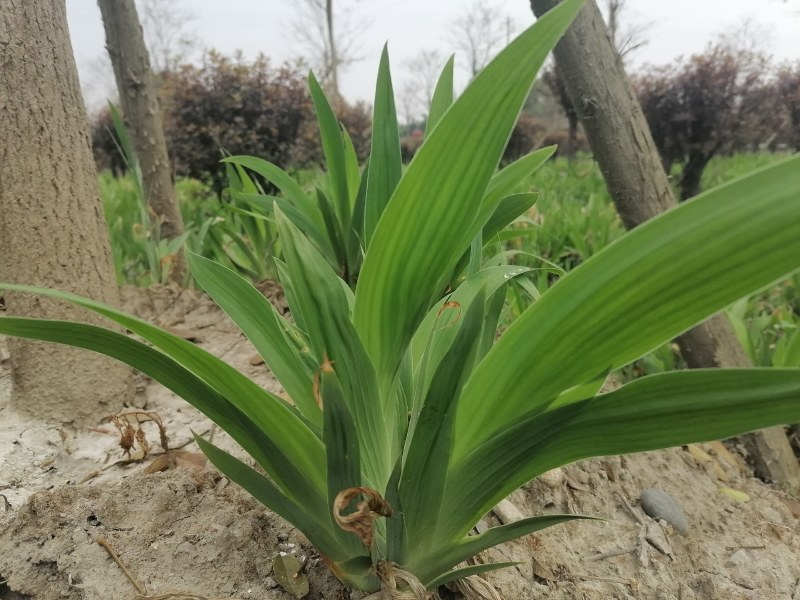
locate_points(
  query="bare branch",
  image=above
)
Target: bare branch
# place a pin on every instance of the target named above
(480, 32)
(168, 34)
(329, 33)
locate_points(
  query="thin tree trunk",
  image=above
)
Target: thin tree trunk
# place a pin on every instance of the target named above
(52, 232)
(693, 174)
(138, 94)
(334, 57)
(620, 139)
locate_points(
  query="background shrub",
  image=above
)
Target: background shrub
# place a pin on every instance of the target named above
(244, 108)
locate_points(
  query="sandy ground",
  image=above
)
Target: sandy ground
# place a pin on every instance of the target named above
(189, 533)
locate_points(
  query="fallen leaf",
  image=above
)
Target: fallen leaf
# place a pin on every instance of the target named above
(182, 459)
(736, 495)
(719, 472)
(190, 459)
(159, 463)
(726, 456)
(543, 571)
(698, 453)
(288, 573)
(793, 505)
(576, 486)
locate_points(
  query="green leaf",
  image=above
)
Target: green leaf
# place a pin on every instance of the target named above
(425, 467)
(336, 234)
(437, 331)
(442, 97)
(341, 446)
(506, 212)
(260, 322)
(637, 293)
(430, 565)
(356, 184)
(504, 182)
(658, 411)
(467, 572)
(401, 278)
(385, 159)
(787, 351)
(323, 302)
(283, 181)
(334, 151)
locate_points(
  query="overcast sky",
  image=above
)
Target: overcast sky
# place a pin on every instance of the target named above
(676, 27)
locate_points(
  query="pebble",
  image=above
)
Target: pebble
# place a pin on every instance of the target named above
(737, 559)
(660, 505)
(553, 478)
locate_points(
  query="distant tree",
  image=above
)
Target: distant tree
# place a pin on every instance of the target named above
(479, 32)
(169, 38)
(787, 84)
(168, 34)
(138, 94)
(553, 80)
(627, 36)
(329, 32)
(713, 102)
(423, 70)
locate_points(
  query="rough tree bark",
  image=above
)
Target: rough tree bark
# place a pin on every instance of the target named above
(138, 94)
(52, 231)
(623, 147)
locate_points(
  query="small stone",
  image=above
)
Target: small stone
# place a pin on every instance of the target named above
(227, 588)
(553, 478)
(738, 559)
(660, 505)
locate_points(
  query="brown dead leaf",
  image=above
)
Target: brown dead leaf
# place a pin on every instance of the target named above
(186, 459)
(793, 505)
(576, 485)
(158, 464)
(542, 571)
(725, 455)
(179, 458)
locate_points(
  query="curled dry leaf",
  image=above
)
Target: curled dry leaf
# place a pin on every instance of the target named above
(360, 521)
(397, 584)
(133, 440)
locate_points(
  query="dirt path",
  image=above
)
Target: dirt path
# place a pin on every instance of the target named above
(189, 529)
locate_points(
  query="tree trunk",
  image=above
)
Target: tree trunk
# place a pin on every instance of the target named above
(138, 94)
(334, 57)
(52, 231)
(693, 174)
(620, 139)
(572, 136)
